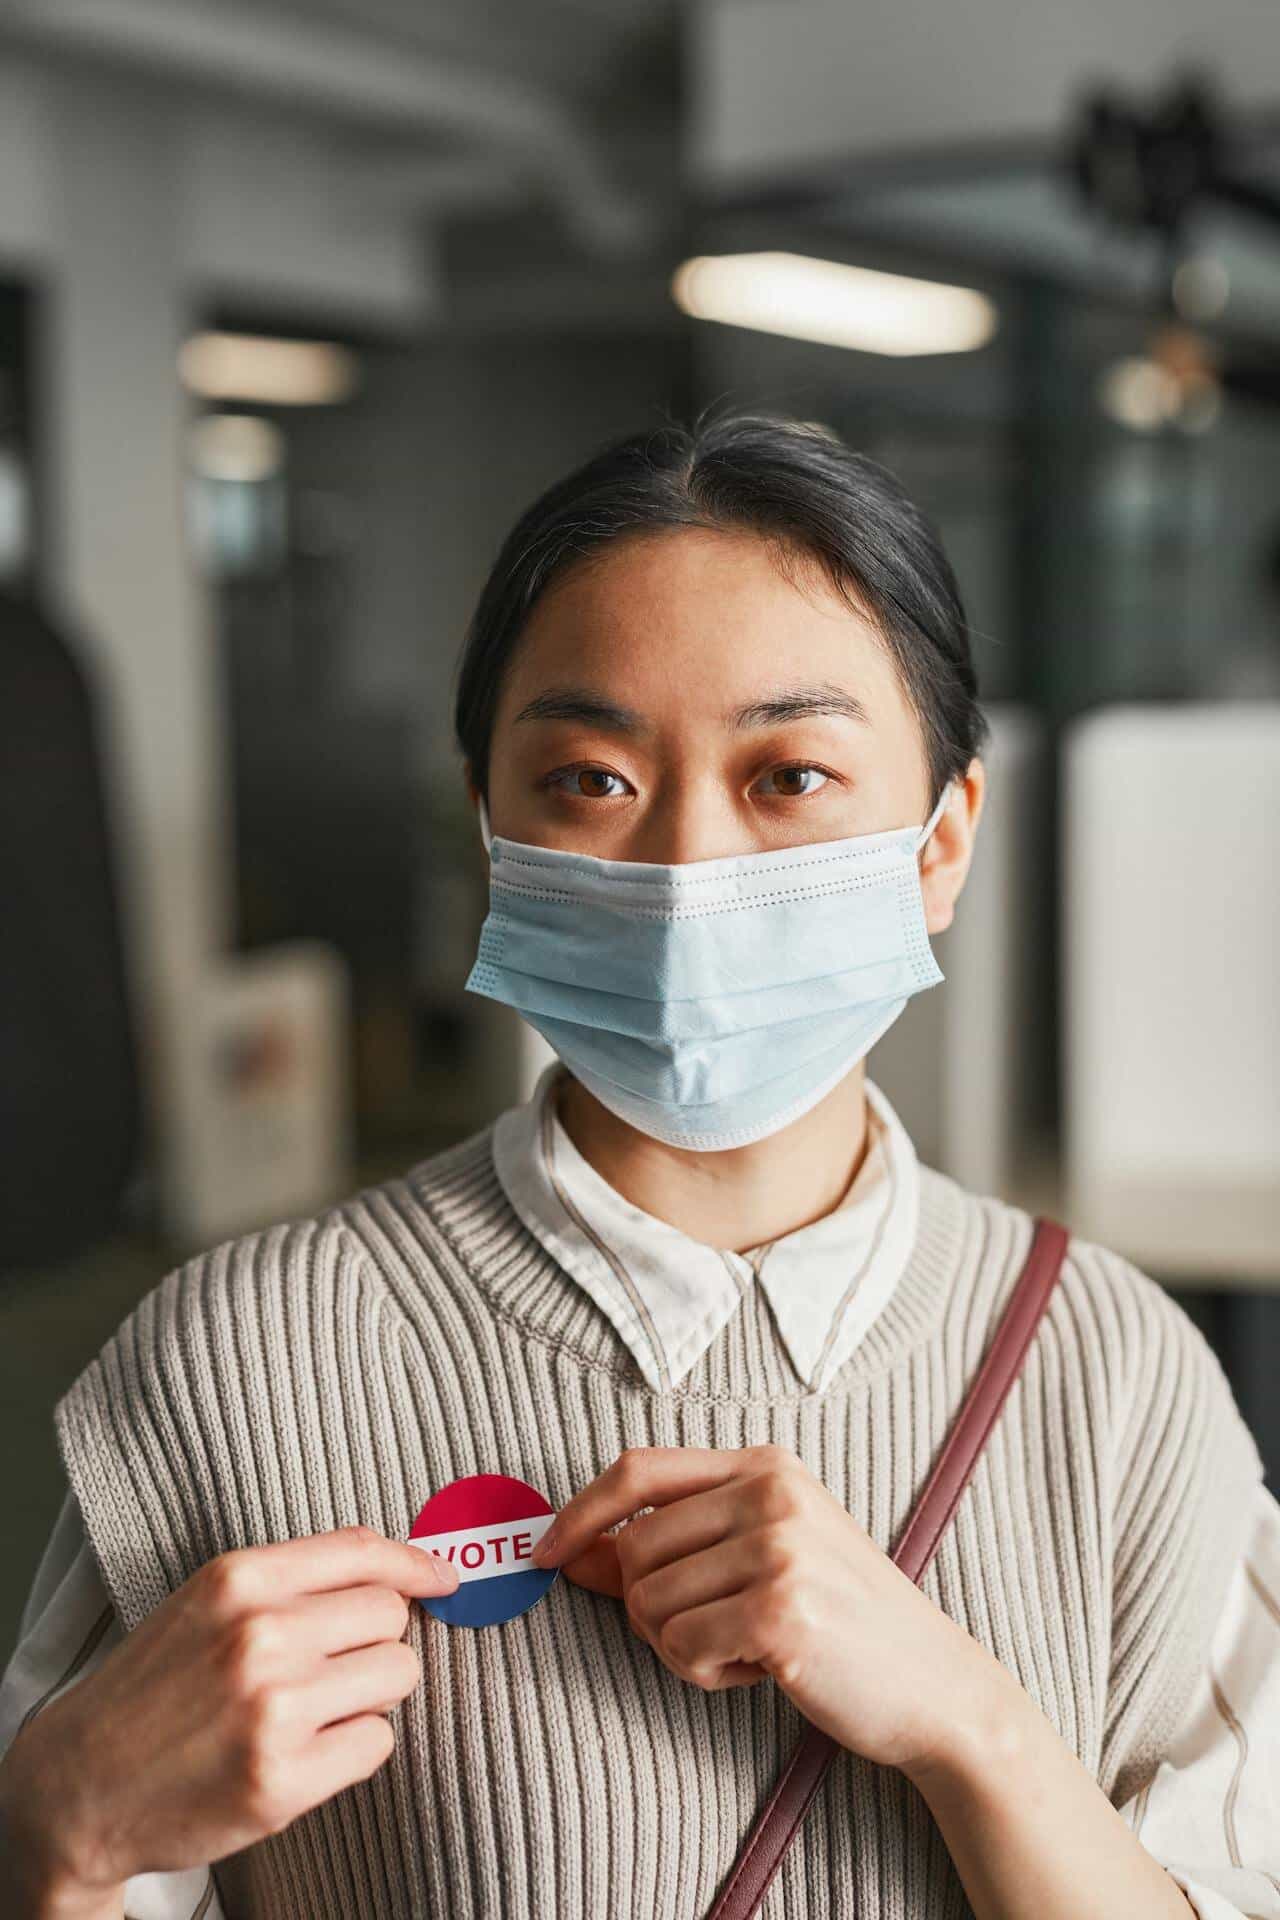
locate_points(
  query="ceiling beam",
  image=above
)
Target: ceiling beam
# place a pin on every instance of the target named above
(340, 73)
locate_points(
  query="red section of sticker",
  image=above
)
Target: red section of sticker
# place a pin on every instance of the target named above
(481, 1500)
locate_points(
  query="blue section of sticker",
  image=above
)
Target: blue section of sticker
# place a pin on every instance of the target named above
(483, 1603)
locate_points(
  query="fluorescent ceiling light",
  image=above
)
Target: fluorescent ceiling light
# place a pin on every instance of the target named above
(839, 305)
(275, 373)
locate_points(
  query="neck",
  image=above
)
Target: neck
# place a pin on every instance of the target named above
(742, 1197)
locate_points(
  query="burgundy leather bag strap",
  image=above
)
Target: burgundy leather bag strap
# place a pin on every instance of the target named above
(779, 1821)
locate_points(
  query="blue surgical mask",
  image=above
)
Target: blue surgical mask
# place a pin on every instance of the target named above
(712, 1002)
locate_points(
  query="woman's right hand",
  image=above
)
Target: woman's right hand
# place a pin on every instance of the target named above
(253, 1693)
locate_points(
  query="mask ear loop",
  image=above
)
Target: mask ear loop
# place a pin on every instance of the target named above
(929, 825)
(485, 834)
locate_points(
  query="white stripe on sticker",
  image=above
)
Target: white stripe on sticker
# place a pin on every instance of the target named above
(489, 1553)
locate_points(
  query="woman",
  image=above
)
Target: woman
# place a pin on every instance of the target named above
(721, 728)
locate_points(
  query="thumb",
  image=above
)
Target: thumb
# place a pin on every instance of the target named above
(597, 1568)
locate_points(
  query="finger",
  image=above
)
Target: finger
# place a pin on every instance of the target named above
(639, 1477)
(726, 1568)
(672, 1532)
(348, 1617)
(597, 1568)
(615, 1561)
(364, 1681)
(342, 1754)
(711, 1645)
(738, 1673)
(318, 1562)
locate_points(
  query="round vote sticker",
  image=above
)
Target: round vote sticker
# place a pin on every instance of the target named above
(487, 1526)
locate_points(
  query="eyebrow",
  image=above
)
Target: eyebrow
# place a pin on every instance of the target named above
(787, 703)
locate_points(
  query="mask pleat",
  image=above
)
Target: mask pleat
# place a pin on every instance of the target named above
(712, 1001)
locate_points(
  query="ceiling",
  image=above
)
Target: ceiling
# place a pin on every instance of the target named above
(1011, 208)
(1031, 221)
(593, 51)
(455, 108)
(532, 129)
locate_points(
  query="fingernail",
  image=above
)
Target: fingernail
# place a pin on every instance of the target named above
(545, 1547)
(448, 1572)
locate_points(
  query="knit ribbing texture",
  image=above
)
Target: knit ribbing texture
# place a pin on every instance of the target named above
(342, 1368)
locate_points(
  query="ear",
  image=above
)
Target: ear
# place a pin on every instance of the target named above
(946, 860)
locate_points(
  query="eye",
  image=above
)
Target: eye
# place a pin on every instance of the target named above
(791, 777)
(584, 783)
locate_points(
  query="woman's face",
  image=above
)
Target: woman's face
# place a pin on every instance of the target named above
(680, 698)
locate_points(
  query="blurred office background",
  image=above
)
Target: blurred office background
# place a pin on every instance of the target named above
(301, 303)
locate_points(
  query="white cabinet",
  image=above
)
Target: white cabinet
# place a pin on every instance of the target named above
(1171, 955)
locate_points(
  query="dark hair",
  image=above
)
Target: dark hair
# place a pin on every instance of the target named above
(795, 483)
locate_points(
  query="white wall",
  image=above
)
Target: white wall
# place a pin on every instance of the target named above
(131, 215)
(779, 81)
(27, 188)
(275, 214)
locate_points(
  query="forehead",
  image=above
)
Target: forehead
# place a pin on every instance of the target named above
(701, 614)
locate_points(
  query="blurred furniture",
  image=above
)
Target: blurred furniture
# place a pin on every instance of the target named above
(69, 1097)
(960, 1064)
(264, 1130)
(1171, 955)
(328, 840)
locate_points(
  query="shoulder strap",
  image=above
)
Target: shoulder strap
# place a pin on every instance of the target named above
(779, 1821)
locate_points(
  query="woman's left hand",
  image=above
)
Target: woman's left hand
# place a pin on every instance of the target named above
(748, 1566)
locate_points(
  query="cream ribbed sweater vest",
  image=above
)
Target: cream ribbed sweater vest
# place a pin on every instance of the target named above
(343, 1368)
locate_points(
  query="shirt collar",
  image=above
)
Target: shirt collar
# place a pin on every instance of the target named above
(667, 1294)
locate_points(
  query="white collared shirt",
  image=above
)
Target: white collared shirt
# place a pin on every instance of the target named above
(668, 1295)
(1210, 1812)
